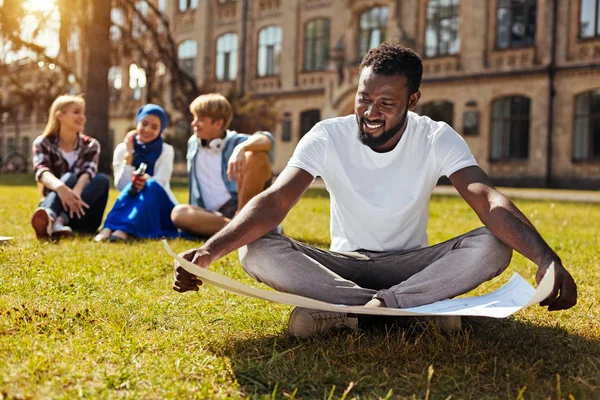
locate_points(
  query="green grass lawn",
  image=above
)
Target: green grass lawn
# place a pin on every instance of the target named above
(82, 319)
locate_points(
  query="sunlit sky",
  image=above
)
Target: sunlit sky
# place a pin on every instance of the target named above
(47, 37)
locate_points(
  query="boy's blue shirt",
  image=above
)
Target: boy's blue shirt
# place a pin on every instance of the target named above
(232, 139)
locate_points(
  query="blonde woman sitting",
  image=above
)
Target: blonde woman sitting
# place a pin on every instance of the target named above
(65, 163)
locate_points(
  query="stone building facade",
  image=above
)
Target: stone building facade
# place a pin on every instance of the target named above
(520, 80)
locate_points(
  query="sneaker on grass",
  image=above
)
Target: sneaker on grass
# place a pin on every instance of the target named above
(41, 221)
(305, 322)
(61, 230)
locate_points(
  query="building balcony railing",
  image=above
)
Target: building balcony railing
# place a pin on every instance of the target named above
(586, 50)
(312, 80)
(513, 59)
(266, 84)
(223, 87)
(447, 65)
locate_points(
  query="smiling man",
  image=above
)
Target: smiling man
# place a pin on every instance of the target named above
(380, 167)
(225, 168)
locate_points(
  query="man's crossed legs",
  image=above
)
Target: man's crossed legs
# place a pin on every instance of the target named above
(399, 279)
(198, 221)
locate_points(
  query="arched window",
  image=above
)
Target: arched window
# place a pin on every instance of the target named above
(589, 19)
(439, 111)
(316, 45)
(586, 144)
(269, 49)
(185, 5)
(442, 35)
(186, 53)
(137, 81)
(510, 128)
(308, 119)
(372, 29)
(515, 23)
(227, 55)
(116, 18)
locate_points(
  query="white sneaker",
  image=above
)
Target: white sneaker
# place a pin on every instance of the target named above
(41, 221)
(58, 229)
(305, 322)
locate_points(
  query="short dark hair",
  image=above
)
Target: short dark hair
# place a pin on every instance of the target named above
(394, 59)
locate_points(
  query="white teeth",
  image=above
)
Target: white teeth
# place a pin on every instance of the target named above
(373, 126)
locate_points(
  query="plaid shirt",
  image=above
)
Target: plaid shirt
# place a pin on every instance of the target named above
(47, 157)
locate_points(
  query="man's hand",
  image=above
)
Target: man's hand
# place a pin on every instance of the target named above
(71, 201)
(236, 164)
(183, 281)
(563, 283)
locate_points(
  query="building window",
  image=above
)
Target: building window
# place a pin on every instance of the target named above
(510, 128)
(115, 83)
(442, 35)
(186, 53)
(316, 45)
(439, 111)
(185, 5)
(138, 26)
(137, 81)
(589, 19)
(10, 146)
(26, 146)
(587, 126)
(269, 49)
(116, 18)
(515, 23)
(73, 42)
(227, 64)
(308, 119)
(372, 29)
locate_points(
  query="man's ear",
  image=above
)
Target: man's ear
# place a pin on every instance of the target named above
(413, 100)
(219, 123)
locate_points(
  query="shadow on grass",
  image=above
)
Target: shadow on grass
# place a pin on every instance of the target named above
(487, 359)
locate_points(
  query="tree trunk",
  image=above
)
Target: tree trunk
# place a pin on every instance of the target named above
(96, 93)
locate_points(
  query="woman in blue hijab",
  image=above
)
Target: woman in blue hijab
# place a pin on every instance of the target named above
(143, 209)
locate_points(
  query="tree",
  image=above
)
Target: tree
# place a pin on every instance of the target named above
(146, 35)
(97, 96)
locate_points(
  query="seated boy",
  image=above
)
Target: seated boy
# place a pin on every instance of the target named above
(225, 168)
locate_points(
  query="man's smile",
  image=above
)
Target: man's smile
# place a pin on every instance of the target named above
(372, 127)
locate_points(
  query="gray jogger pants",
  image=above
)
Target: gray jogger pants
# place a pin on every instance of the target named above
(401, 279)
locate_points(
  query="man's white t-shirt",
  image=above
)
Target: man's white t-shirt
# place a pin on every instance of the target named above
(380, 201)
(209, 173)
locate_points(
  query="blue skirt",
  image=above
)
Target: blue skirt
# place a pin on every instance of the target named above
(144, 215)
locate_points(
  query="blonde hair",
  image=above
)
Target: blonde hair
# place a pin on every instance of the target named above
(214, 106)
(60, 104)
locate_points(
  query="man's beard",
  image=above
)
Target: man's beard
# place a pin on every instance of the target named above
(387, 135)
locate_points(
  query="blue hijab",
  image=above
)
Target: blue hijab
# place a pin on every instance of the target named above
(149, 152)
